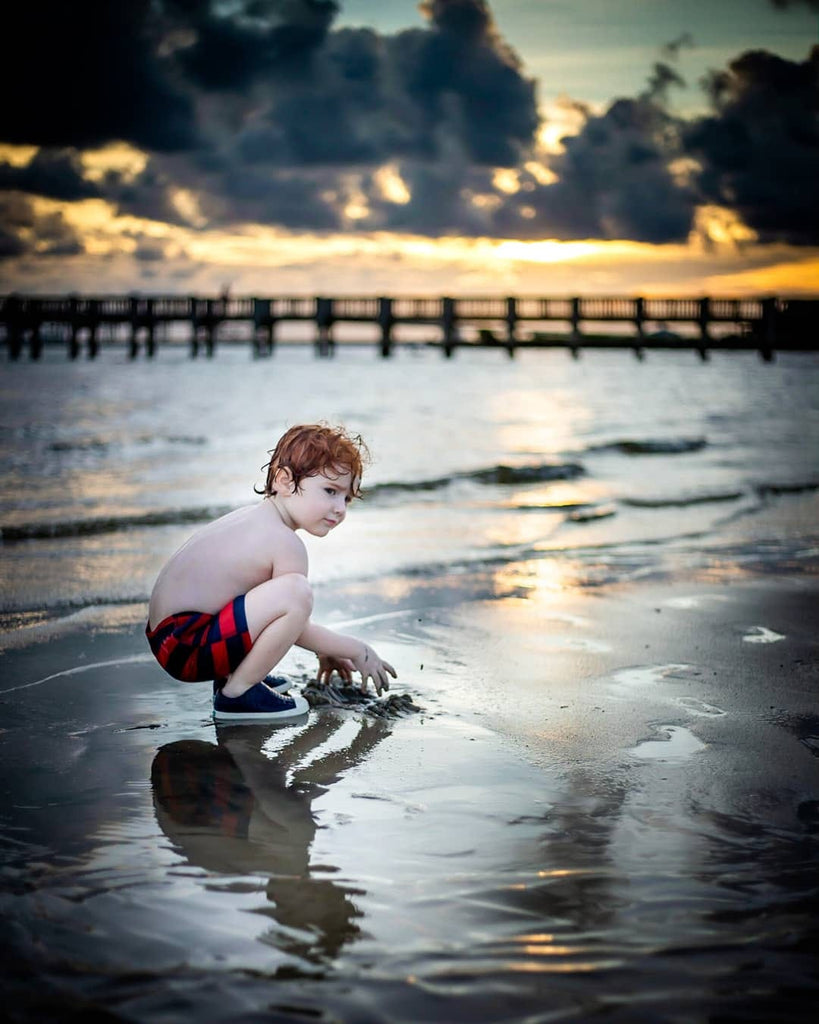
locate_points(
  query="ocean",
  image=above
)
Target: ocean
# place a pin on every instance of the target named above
(597, 579)
(605, 466)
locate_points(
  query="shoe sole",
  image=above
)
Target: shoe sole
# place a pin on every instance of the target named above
(301, 708)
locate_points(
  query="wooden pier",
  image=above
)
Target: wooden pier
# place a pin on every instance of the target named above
(87, 323)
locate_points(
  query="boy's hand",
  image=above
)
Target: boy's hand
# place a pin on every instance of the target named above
(327, 666)
(372, 667)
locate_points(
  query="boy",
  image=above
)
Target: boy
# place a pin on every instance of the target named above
(234, 598)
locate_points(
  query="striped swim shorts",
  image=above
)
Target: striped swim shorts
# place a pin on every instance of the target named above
(196, 646)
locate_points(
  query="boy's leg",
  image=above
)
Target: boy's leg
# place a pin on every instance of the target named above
(277, 612)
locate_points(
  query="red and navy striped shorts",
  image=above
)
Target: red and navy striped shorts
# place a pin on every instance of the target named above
(195, 646)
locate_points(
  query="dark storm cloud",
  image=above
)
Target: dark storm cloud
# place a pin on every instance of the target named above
(141, 71)
(23, 231)
(55, 174)
(261, 111)
(441, 101)
(440, 204)
(759, 151)
(147, 194)
(614, 177)
(231, 49)
(360, 98)
(288, 199)
(463, 79)
(85, 72)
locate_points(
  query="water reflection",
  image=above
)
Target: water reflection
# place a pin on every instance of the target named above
(240, 807)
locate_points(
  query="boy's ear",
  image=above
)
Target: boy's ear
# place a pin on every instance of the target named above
(283, 480)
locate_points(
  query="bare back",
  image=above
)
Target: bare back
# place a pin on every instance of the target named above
(226, 558)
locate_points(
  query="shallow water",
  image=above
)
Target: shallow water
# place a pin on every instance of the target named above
(617, 466)
(603, 844)
(598, 581)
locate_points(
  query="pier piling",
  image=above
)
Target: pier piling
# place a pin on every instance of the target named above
(702, 324)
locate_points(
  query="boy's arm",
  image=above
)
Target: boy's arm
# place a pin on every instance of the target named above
(323, 641)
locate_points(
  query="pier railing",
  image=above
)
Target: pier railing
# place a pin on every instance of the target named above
(512, 323)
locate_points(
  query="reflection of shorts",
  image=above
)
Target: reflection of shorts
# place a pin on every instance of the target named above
(195, 646)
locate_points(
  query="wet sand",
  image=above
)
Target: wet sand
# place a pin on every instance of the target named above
(607, 808)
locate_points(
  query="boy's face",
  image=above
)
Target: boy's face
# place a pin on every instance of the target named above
(320, 503)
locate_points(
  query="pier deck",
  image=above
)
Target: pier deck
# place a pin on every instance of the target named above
(761, 324)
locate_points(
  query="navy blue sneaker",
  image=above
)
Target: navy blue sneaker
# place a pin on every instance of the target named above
(258, 704)
(281, 684)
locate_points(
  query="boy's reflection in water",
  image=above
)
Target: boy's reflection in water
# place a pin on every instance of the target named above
(235, 809)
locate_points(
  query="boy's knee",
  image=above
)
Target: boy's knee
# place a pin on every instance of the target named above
(299, 593)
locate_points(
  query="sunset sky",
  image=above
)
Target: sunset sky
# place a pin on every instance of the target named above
(373, 146)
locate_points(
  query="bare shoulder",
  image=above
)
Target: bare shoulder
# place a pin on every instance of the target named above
(288, 550)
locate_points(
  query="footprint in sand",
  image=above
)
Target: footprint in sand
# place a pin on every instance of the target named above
(698, 707)
(762, 635)
(648, 675)
(677, 745)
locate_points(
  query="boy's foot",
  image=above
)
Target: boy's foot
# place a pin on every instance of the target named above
(258, 704)
(281, 684)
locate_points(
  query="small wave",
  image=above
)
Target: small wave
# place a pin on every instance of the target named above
(107, 524)
(774, 490)
(100, 444)
(653, 446)
(91, 444)
(682, 502)
(588, 514)
(501, 475)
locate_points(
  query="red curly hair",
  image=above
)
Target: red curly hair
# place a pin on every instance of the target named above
(315, 448)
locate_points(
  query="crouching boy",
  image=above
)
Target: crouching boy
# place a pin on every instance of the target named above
(233, 600)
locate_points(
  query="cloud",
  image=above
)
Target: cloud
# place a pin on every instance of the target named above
(24, 231)
(87, 72)
(55, 174)
(684, 41)
(759, 150)
(614, 177)
(229, 50)
(263, 112)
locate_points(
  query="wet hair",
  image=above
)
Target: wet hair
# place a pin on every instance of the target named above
(314, 448)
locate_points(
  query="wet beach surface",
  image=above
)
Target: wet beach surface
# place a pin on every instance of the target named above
(608, 807)
(599, 582)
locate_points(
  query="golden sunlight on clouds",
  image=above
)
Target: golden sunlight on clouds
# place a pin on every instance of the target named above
(17, 156)
(360, 263)
(683, 169)
(785, 278)
(543, 175)
(482, 200)
(186, 205)
(392, 185)
(124, 160)
(357, 207)
(561, 118)
(505, 179)
(86, 216)
(546, 251)
(716, 224)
